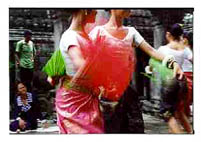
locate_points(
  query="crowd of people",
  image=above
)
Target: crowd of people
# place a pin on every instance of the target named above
(94, 94)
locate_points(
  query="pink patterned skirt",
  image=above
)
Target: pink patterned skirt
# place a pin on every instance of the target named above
(78, 113)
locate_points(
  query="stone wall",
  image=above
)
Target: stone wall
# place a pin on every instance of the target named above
(40, 23)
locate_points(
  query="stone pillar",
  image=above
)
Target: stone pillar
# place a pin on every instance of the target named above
(58, 30)
(155, 86)
(60, 25)
(159, 35)
(153, 104)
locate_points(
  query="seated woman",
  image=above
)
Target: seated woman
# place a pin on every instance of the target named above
(26, 110)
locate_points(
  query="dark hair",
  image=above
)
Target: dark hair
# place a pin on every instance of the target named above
(107, 9)
(189, 37)
(176, 31)
(16, 85)
(73, 10)
(27, 33)
(76, 10)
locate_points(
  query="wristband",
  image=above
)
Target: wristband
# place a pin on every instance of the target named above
(167, 60)
(18, 118)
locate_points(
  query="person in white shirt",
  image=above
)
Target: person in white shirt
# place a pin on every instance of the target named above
(173, 91)
(117, 36)
(76, 105)
(187, 67)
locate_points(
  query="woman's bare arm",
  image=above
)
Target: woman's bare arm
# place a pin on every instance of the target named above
(159, 56)
(151, 51)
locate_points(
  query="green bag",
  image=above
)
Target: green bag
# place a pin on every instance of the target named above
(165, 73)
(55, 65)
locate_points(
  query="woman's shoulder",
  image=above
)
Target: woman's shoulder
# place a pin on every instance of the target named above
(163, 47)
(187, 49)
(69, 33)
(69, 36)
(170, 49)
(131, 29)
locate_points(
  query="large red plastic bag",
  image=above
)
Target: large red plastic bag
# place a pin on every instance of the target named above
(107, 66)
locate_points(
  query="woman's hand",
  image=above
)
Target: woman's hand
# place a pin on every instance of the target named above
(177, 71)
(50, 80)
(22, 124)
(53, 80)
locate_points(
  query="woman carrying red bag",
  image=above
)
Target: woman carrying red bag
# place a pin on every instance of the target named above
(118, 55)
(77, 105)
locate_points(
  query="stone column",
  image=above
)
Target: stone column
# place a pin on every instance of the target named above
(158, 36)
(58, 28)
(158, 41)
(60, 25)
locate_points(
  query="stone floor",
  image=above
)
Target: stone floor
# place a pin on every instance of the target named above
(153, 125)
